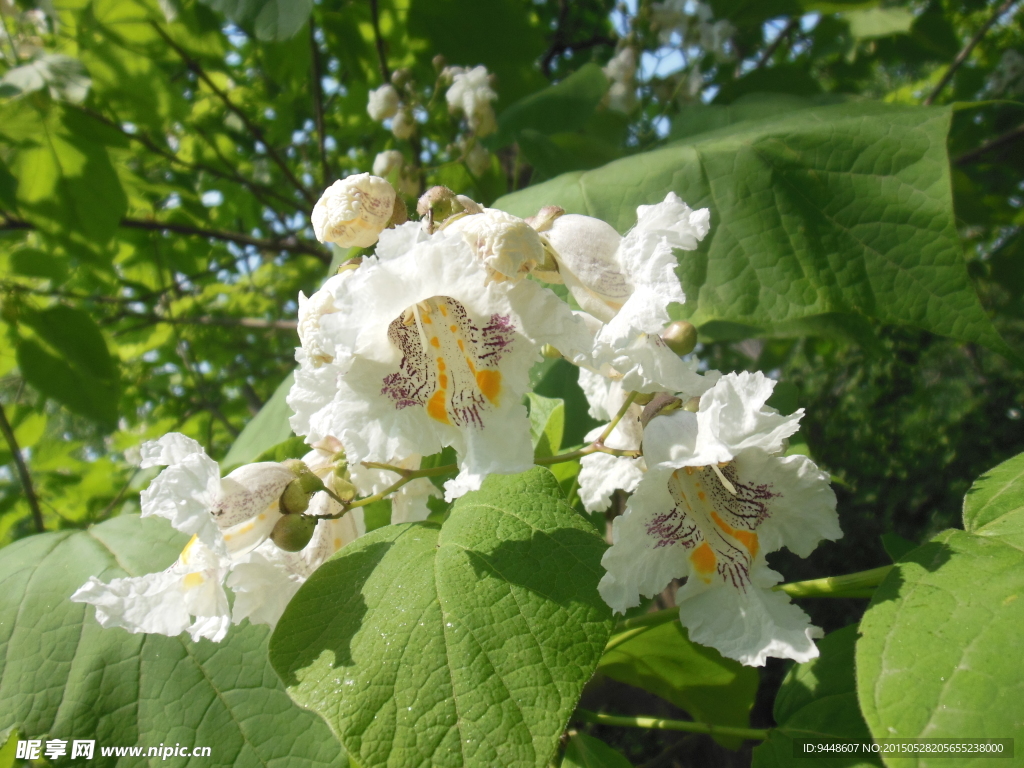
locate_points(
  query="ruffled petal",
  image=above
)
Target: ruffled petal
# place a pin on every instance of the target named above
(602, 474)
(153, 603)
(169, 449)
(803, 507)
(733, 417)
(639, 563)
(184, 493)
(750, 625)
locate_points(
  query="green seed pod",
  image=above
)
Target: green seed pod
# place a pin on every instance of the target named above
(293, 532)
(295, 499)
(680, 336)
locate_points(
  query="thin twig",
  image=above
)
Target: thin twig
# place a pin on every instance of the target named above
(659, 724)
(382, 57)
(1000, 141)
(269, 245)
(966, 51)
(254, 129)
(26, 478)
(770, 50)
(318, 108)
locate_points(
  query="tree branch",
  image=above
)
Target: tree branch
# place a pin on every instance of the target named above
(560, 42)
(26, 478)
(774, 46)
(382, 56)
(966, 51)
(254, 129)
(267, 245)
(318, 108)
(1000, 141)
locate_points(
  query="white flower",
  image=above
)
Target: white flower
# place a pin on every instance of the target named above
(1008, 76)
(428, 353)
(627, 283)
(478, 159)
(221, 512)
(383, 102)
(602, 474)
(403, 125)
(165, 603)
(621, 71)
(387, 161)
(353, 211)
(471, 94)
(714, 38)
(509, 246)
(717, 497)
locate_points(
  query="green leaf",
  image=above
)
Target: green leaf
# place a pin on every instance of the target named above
(839, 209)
(75, 335)
(584, 751)
(938, 653)
(818, 699)
(66, 182)
(879, 22)
(64, 676)
(292, 448)
(560, 379)
(74, 388)
(694, 119)
(700, 680)
(271, 19)
(547, 424)
(10, 747)
(461, 645)
(896, 546)
(8, 186)
(566, 106)
(268, 428)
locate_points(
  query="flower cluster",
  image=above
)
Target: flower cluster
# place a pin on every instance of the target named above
(672, 20)
(427, 344)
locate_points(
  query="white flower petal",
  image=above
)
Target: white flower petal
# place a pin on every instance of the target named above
(353, 211)
(169, 449)
(748, 626)
(602, 474)
(639, 563)
(153, 603)
(250, 490)
(586, 250)
(509, 246)
(803, 512)
(733, 417)
(184, 493)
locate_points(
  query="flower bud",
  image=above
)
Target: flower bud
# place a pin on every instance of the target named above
(438, 204)
(680, 336)
(387, 161)
(297, 466)
(439, 62)
(550, 352)
(509, 246)
(310, 483)
(403, 125)
(400, 214)
(295, 498)
(661, 403)
(383, 102)
(353, 211)
(545, 217)
(343, 488)
(400, 77)
(293, 532)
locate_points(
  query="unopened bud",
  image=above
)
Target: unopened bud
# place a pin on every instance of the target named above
(296, 466)
(680, 337)
(661, 403)
(400, 77)
(293, 532)
(310, 483)
(352, 212)
(438, 204)
(439, 62)
(505, 243)
(344, 489)
(550, 352)
(295, 498)
(545, 217)
(400, 215)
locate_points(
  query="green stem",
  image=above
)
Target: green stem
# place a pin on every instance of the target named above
(861, 584)
(654, 723)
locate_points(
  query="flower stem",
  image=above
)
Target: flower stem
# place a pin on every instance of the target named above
(655, 723)
(860, 584)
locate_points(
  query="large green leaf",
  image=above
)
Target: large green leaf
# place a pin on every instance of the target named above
(818, 699)
(566, 106)
(939, 651)
(700, 680)
(461, 645)
(66, 182)
(547, 424)
(63, 676)
(837, 209)
(271, 19)
(584, 751)
(267, 429)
